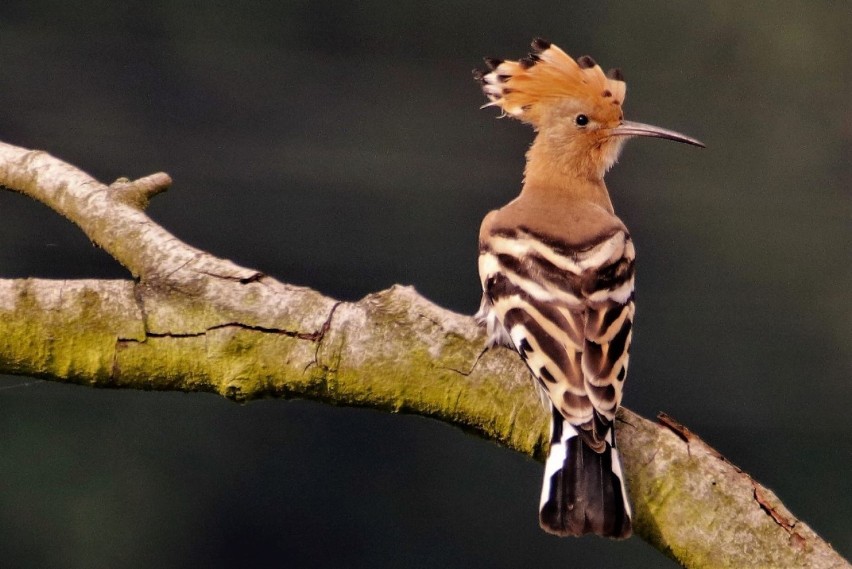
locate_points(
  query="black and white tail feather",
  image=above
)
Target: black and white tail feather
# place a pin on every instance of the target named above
(583, 490)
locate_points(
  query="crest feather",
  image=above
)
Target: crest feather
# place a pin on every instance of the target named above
(525, 88)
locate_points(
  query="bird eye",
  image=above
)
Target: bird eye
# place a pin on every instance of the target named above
(581, 120)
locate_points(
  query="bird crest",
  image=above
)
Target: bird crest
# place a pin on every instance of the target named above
(527, 88)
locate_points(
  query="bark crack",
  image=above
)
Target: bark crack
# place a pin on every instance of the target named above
(315, 336)
(197, 255)
(256, 276)
(472, 367)
(139, 299)
(318, 337)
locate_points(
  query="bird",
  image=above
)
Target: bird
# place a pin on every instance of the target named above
(557, 272)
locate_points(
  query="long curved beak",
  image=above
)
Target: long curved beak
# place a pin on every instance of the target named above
(630, 128)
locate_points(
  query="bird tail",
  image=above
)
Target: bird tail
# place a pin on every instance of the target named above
(583, 489)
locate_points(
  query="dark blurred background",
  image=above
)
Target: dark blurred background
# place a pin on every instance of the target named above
(340, 146)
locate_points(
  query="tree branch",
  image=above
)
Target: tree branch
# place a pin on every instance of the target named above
(193, 322)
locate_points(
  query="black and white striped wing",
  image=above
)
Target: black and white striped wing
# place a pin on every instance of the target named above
(568, 313)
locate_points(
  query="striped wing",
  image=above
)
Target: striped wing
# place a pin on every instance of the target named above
(568, 313)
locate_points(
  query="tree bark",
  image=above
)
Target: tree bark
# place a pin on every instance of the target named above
(189, 321)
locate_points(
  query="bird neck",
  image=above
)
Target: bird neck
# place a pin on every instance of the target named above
(564, 170)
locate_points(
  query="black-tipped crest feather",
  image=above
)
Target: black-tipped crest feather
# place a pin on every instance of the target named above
(526, 62)
(615, 74)
(540, 44)
(586, 62)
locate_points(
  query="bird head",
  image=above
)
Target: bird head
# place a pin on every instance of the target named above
(573, 105)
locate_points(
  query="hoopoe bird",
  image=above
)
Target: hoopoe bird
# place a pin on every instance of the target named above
(557, 271)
